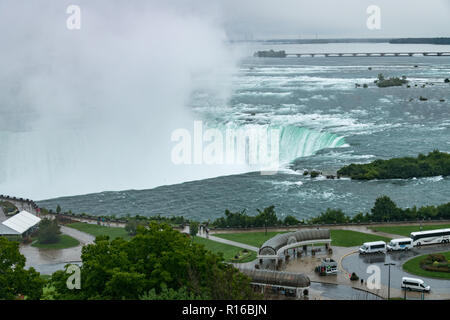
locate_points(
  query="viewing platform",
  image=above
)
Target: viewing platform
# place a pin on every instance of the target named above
(371, 54)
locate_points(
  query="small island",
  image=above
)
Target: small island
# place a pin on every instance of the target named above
(382, 82)
(434, 164)
(270, 54)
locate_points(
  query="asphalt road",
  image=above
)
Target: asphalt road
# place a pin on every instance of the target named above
(358, 263)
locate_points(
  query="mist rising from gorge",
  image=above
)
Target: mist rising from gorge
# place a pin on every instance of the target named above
(93, 109)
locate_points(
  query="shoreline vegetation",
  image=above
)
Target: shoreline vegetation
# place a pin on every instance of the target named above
(384, 210)
(434, 164)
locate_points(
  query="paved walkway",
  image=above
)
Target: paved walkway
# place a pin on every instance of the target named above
(362, 229)
(306, 265)
(365, 229)
(2, 215)
(47, 261)
(83, 237)
(231, 243)
(440, 288)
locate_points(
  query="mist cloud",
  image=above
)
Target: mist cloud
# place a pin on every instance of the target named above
(93, 109)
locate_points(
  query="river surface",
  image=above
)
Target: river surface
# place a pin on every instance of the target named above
(324, 122)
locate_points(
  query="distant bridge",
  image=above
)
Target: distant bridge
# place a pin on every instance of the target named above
(371, 54)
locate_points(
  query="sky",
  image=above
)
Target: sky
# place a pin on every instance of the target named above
(262, 19)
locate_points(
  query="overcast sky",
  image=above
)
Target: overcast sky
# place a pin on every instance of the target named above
(332, 18)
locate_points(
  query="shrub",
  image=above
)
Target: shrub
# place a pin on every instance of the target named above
(434, 164)
(48, 231)
(314, 174)
(382, 82)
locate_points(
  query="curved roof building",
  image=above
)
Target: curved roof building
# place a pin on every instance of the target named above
(273, 245)
(277, 278)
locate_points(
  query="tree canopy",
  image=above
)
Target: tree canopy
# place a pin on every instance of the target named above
(49, 231)
(14, 279)
(434, 164)
(157, 261)
(265, 217)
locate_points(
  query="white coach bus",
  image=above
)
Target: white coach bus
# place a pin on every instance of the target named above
(430, 237)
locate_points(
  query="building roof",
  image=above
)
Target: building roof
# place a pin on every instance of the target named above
(22, 222)
(7, 231)
(277, 278)
(271, 246)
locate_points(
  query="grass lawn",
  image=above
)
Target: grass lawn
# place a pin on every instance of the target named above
(228, 251)
(349, 238)
(96, 230)
(406, 230)
(413, 266)
(65, 242)
(341, 238)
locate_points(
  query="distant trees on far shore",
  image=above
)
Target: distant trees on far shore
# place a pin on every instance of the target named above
(434, 164)
(383, 210)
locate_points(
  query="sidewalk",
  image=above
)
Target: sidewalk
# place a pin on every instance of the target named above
(229, 242)
(2, 215)
(83, 237)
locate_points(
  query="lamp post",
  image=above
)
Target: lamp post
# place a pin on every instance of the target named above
(389, 278)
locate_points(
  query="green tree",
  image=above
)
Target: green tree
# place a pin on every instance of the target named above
(58, 209)
(14, 279)
(385, 209)
(48, 231)
(291, 221)
(131, 227)
(170, 294)
(331, 216)
(267, 217)
(193, 228)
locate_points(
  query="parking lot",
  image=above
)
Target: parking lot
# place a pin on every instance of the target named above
(359, 263)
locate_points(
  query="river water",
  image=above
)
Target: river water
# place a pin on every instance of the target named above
(325, 122)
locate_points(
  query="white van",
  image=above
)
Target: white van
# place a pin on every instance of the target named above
(414, 284)
(400, 244)
(373, 247)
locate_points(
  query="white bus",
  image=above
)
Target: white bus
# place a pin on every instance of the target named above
(400, 244)
(430, 237)
(373, 247)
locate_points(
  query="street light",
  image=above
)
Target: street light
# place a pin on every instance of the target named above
(389, 278)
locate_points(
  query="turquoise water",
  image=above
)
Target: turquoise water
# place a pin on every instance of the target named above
(325, 123)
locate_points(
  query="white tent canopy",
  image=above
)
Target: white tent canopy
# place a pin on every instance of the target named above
(22, 222)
